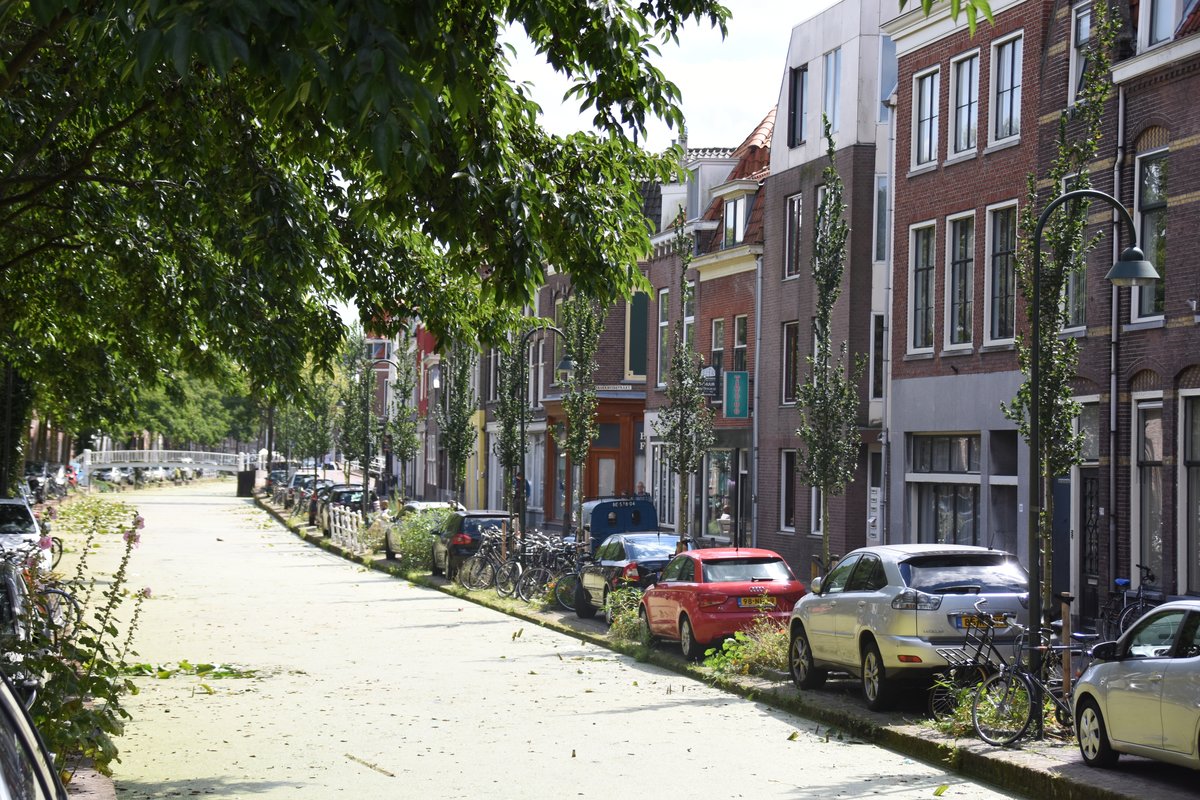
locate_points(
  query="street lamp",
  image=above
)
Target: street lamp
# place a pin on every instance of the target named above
(1132, 269)
(567, 366)
(366, 470)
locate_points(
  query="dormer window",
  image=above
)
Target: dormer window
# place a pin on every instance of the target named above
(735, 220)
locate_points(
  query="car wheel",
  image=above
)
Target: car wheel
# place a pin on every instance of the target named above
(606, 604)
(388, 552)
(804, 674)
(451, 569)
(583, 605)
(692, 650)
(1093, 736)
(644, 633)
(876, 689)
(434, 569)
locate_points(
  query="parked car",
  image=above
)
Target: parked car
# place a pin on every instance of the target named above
(883, 612)
(458, 538)
(705, 595)
(1139, 696)
(622, 561)
(28, 767)
(349, 495)
(276, 476)
(318, 498)
(391, 527)
(20, 532)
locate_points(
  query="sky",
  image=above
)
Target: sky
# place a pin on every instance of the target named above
(728, 85)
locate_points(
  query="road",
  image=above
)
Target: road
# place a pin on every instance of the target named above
(366, 686)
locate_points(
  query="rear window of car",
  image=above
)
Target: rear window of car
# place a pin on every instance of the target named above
(480, 524)
(657, 547)
(965, 573)
(746, 569)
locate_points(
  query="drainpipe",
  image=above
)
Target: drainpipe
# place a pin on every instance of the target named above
(885, 494)
(1113, 350)
(754, 421)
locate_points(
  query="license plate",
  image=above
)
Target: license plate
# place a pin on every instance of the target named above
(758, 601)
(964, 621)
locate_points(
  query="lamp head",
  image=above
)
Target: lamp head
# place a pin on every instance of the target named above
(566, 367)
(1133, 269)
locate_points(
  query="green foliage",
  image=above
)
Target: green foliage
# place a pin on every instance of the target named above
(1065, 236)
(972, 9)
(78, 706)
(412, 538)
(685, 423)
(456, 415)
(583, 323)
(762, 646)
(625, 624)
(195, 411)
(828, 400)
(355, 392)
(402, 418)
(512, 408)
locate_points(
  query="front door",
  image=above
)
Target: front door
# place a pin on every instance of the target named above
(1089, 542)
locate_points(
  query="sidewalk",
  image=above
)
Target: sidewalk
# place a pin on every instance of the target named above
(1046, 769)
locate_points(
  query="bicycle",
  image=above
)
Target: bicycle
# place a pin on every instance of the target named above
(1124, 607)
(969, 665)
(1002, 707)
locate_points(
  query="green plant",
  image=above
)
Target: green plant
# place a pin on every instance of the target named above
(411, 540)
(762, 646)
(625, 624)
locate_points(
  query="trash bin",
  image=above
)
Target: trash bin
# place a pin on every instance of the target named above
(245, 480)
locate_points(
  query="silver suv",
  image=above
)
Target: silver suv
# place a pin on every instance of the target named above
(882, 613)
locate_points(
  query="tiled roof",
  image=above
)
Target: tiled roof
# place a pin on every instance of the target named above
(1191, 19)
(709, 152)
(754, 163)
(651, 192)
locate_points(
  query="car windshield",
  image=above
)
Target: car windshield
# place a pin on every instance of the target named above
(16, 519)
(746, 569)
(480, 524)
(965, 573)
(643, 549)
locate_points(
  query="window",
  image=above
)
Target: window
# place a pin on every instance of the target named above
(741, 330)
(636, 316)
(833, 81)
(947, 510)
(795, 216)
(664, 334)
(1161, 21)
(1002, 274)
(735, 220)
(1152, 215)
(966, 103)
(925, 108)
(559, 346)
(946, 453)
(1191, 466)
(791, 360)
(493, 368)
(787, 490)
(536, 471)
(717, 351)
(663, 488)
(1150, 483)
(1006, 97)
(877, 356)
(1154, 635)
(887, 75)
(797, 113)
(1081, 37)
(881, 217)
(689, 315)
(817, 507)
(960, 288)
(922, 288)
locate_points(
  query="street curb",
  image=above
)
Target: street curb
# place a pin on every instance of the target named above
(1008, 769)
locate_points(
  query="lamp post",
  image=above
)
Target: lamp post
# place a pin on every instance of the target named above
(1132, 269)
(366, 470)
(567, 365)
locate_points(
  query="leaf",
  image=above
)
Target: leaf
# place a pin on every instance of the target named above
(795, 735)
(207, 689)
(941, 790)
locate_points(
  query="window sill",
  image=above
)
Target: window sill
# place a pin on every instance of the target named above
(791, 277)
(965, 155)
(1144, 325)
(919, 356)
(999, 347)
(996, 147)
(1079, 332)
(922, 169)
(786, 532)
(956, 352)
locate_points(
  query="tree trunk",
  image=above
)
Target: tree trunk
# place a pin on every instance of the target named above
(14, 423)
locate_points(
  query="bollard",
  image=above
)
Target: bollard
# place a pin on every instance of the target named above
(1068, 674)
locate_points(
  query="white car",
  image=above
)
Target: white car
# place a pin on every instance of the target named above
(20, 533)
(883, 613)
(1140, 694)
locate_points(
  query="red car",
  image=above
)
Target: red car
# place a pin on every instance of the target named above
(706, 595)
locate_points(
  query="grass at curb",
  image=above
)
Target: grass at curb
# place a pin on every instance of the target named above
(1011, 770)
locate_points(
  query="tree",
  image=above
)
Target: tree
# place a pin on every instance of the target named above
(686, 422)
(582, 324)
(828, 400)
(1066, 239)
(455, 416)
(512, 410)
(971, 8)
(402, 420)
(356, 388)
(201, 185)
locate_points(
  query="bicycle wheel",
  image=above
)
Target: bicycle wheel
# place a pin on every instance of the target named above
(470, 573)
(954, 689)
(1131, 614)
(60, 614)
(564, 590)
(1002, 708)
(506, 578)
(531, 586)
(56, 551)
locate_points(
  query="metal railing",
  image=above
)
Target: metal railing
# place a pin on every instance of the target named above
(226, 462)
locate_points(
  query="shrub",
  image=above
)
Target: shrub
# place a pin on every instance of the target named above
(625, 624)
(412, 540)
(762, 646)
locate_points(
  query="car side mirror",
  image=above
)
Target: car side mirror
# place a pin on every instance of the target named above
(1105, 651)
(815, 586)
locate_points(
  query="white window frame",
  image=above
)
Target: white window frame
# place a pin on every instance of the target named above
(662, 310)
(952, 111)
(784, 486)
(1183, 559)
(831, 80)
(994, 89)
(913, 230)
(948, 278)
(1078, 58)
(783, 371)
(1137, 401)
(798, 119)
(741, 340)
(882, 225)
(1135, 300)
(989, 270)
(793, 216)
(934, 75)
(874, 387)
(689, 319)
(1145, 19)
(717, 322)
(814, 512)
(735, 220)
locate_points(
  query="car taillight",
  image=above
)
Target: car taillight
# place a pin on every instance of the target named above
(912, 600)
(630, 573)
(710, 600)
(460, 539)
